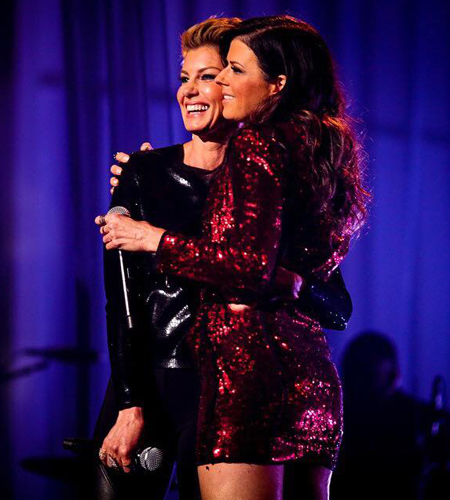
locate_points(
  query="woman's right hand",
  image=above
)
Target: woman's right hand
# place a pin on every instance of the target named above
(123, 439)
(286, 284)
(116, 170)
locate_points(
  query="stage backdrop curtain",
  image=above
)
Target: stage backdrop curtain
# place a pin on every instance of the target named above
(80, 80)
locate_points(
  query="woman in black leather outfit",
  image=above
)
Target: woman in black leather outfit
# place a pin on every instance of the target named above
(152, 397)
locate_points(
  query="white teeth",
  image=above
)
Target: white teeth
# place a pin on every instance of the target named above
(196, 108)
(228, 97)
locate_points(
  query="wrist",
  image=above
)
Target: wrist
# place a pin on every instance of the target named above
(154, 238)
(135, 412)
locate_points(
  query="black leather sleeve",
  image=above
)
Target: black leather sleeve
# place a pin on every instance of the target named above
(125, 346)
(327, 301)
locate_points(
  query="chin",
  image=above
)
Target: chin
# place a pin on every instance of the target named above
(198, 130)
(193, 127)
(228, 114)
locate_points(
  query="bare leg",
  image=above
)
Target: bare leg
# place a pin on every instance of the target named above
(241, 482)
(306, 482)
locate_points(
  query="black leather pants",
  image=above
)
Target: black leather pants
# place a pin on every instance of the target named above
(171, 418)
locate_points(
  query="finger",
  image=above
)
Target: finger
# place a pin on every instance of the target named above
(117, 244)
(113, 181)
(112, 462)
(146, 146)
(107, 458)
(126, 468)
(111, 218)
(107, 239)
(116, 170)
(113, 245)
(125, 460)
(116, 220)
(111, 190)
(102, 455)
(100, 220)
(122, 157)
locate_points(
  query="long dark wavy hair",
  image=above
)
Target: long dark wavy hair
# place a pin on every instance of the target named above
(330, 176)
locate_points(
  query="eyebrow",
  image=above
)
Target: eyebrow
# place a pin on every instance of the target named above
(202, 69)
(235, 62)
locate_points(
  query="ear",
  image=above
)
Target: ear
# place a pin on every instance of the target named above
(278, 84)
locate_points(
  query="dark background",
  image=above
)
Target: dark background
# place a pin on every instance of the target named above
(80, 80)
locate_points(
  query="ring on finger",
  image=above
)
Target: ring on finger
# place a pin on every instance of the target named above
(112, 462)
(102, 454)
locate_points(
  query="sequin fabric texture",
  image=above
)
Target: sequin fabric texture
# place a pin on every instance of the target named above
(270, 391)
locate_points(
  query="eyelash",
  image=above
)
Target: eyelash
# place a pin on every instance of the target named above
(234, 69)
(205, 77)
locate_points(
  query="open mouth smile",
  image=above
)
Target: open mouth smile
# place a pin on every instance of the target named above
(196, 109)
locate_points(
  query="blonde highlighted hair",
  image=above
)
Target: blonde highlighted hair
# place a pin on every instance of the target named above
(209, 32)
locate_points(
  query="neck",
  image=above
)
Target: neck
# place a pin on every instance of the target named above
(205, 153)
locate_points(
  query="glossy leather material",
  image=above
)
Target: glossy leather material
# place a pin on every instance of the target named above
(158, 187)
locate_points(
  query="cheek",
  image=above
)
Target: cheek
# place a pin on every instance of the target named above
(254, 94)
(214, 95)
(179, 96)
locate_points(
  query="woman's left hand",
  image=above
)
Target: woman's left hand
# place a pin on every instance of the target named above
(123, 233)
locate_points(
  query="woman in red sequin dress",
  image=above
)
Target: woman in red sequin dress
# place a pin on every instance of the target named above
(288, 193)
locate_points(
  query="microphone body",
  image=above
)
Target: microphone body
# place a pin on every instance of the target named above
(119, 210)
(145, 459)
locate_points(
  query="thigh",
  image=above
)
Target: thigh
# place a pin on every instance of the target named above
(241, 481)
(110, 485)
(306, 482)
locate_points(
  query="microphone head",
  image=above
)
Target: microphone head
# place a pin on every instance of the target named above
(119, 211)
(150, 458)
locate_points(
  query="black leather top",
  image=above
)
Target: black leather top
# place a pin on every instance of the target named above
(158, 187)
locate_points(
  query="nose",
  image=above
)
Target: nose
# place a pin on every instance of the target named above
(190, 89)
(221, 78)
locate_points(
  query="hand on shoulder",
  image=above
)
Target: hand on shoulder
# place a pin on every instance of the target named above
(123, 158)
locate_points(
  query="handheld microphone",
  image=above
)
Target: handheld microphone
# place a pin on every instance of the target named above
(119, 210)
(148, 459)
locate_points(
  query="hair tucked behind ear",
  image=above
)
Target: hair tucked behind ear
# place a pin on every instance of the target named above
(328, 170)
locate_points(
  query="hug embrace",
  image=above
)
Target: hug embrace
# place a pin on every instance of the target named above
(233, 247)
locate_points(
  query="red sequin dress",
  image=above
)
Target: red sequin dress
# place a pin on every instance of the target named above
(270, 391)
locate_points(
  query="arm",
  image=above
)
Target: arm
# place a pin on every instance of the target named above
(234, 262)
(239, 252)
(122, 343)
(327, 301)
(123, 346)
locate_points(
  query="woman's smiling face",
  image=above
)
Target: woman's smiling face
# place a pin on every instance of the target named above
(199, 96)
(243, 83)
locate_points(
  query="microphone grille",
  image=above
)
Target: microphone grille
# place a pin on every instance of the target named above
(151, 458)
(119, 211)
